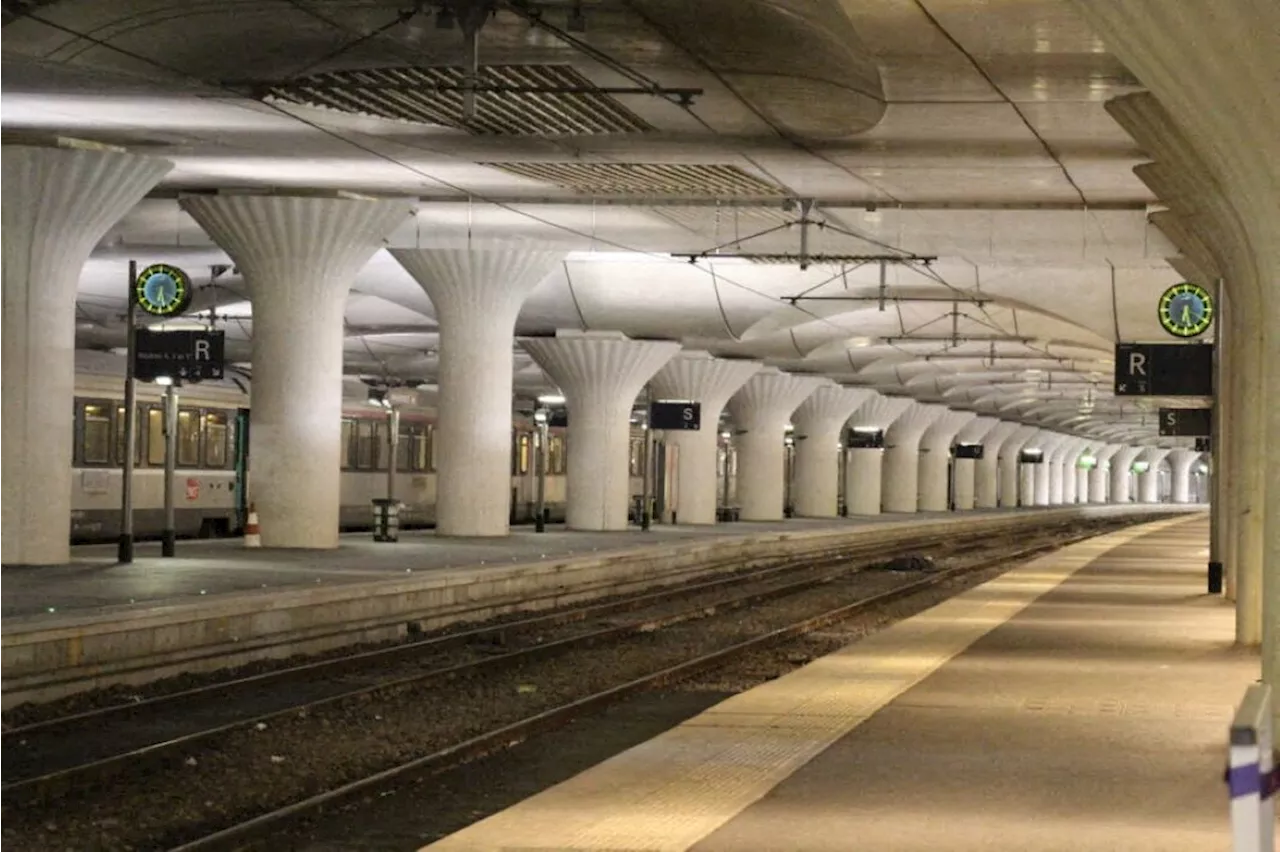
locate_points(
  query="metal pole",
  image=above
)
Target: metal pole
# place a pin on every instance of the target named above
(124, 549)
(645, 463)
(540, 469)
(393, 444)
(170, 463)
(1217, 467)
(843, 476)
(724, 487)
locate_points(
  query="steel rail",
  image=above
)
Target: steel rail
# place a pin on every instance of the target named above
(234, 837)
(50, 785)
(404, 650)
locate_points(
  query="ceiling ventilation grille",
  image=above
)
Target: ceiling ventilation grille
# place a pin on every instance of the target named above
(651, 179)
(725, 223)
(541, 100)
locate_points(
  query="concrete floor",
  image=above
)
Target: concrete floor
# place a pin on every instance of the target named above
(1080, 702)
(223, 566)
(1094, 720)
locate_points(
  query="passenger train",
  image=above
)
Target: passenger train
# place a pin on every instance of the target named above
(214, 451)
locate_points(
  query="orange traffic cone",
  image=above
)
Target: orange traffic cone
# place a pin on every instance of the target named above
(252, 535)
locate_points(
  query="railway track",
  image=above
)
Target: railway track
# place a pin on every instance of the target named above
(44, 759)
(216, 714)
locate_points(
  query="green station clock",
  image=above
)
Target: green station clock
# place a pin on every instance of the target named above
(162, 290)
(1186, 310)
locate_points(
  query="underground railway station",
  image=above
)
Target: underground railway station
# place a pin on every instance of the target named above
(584, 425)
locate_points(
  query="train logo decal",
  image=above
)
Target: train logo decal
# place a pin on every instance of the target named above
(1186, 310)
(162, 290)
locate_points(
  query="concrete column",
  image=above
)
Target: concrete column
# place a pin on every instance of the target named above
(935, 459)
(1064, 491)
(600, 373)
(761, 411)
(1149, 482)
(818, 422)
(1027, 484)
(299, 255)
(1120, 464)
(477, 290)
(986, 476)
(58, 204)
(1248, 459)
(865, 467)
(1051, 443)
(698, 377)
(1180, 462)
(1099, 477)
(1011, 469)
(1081, 494)
(902, 457)
(865, 475)
(964, 471)
(1064, 458)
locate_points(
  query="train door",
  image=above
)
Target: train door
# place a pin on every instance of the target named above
(242, 468)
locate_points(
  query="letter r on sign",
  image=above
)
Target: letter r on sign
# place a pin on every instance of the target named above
(1137, 364)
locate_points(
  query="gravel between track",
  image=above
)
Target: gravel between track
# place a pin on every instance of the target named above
(254, 771)
(39, 752)
(27, 714)
(421, 811)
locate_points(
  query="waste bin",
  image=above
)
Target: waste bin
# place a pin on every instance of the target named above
(386, 519)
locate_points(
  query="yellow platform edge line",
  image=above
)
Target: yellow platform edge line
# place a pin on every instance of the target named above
(677, 788)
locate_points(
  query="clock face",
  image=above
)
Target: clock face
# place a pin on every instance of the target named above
(163, 290)
(1186, 310)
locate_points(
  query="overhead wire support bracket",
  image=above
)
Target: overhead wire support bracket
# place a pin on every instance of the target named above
(977, 300)
(804, 258)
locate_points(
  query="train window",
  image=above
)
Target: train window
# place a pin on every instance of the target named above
(368, 444)
(637, 456)
(422, 455)
(95, 433)
(348, 443)
(556, 462)
(137, 438)
(215, 439)
(404, 446)
(524, 453)
(155, 437)
(188, 438)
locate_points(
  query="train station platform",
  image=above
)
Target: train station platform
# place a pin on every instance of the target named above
(205, 568)
(97, 623)
(1078, 702)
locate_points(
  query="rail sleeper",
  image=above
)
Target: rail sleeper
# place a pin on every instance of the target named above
(46, 658)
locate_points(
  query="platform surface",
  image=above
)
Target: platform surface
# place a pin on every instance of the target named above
(204, 568)
(1079, 702)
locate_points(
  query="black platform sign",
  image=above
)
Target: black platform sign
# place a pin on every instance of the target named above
(558, 418)
(1164, 369)
(968, 451)
(863, 439)
(1031, 457)
(1204, 445)
(1185, 422)
(188, 356)
(675, 415)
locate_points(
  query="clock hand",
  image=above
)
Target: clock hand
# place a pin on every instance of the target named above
(1186, 315)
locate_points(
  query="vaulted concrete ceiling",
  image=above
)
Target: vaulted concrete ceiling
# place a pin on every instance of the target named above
(964, 140)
